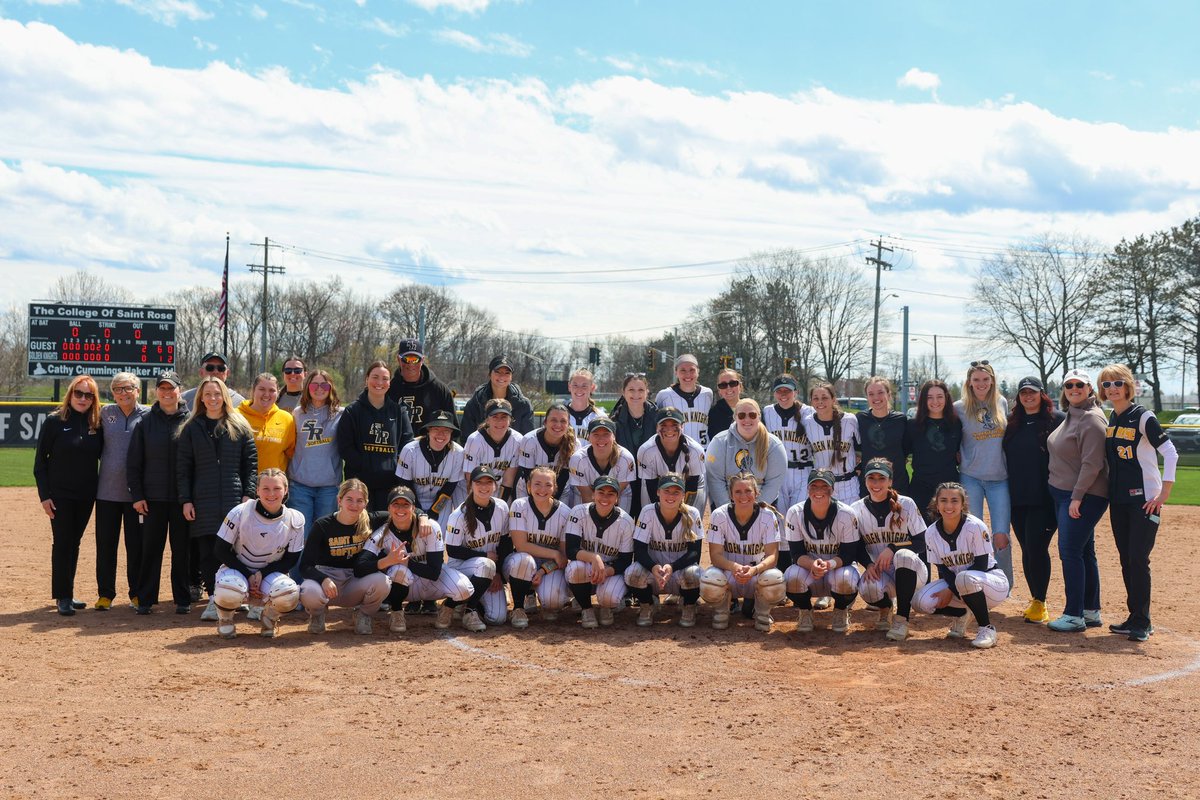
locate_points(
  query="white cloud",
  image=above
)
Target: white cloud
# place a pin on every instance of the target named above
(168, 12)
(920, 79)
(1100, 75)
(201, 44)
(135, 171)
(387, 28)
(495, 43)
(258, 12)
(461, 6)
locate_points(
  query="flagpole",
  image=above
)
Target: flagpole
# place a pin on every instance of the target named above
(225, 303)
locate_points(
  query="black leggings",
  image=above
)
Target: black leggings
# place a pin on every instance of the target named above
(111, 516)
(70, 519)
(1134, 534)
(1035, 526)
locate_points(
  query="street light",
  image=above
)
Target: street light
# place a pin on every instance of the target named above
(935, 352)
(875, 333)
(541, 361)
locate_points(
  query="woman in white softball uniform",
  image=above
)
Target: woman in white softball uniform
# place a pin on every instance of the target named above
(832, 437)
(784, 419)
(495, 445)
(686, 394)
(432, 466)
(666, 552)
(743, 544)
(603, 456)
(476, 542)
(537, 526)
(258, 544)
(599, 549)
(412, 556)
(822, 534)
(893, 538)
(968, 577)
(553, 444)
(671, 451)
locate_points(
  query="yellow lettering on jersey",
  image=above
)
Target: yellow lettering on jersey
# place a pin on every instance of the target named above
(748, 549)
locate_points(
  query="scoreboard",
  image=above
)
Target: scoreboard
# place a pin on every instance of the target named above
(68, 339)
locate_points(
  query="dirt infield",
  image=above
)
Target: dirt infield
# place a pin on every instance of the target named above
(116, 705)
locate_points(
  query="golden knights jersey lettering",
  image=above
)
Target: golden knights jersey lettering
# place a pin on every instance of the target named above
(430, 481)
(822, 548)
(542, 539)
(667, 547)
(599, 547)
(958, 559)
(886, 537)
(790, 435)
(821, 445)
(746, 549)
(480, 542)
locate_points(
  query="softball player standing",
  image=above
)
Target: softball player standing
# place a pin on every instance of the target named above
(666, 552)
(822, 534)
(833, 436)
(690, 397)
(743, 544)
(599, 550)
(893, 536)
(495, 445)
(785, 421)
(968, 577)
(582, 408)
(432, 466)
(537, 526)
(603, 456)
(670, 451)
(476, 542)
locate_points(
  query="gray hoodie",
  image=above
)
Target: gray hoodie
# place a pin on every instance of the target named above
(729, 454)
(316, 461)
(118, 432)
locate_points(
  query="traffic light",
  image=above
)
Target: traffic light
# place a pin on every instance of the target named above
(649, 359)
(788, 363)
(726, 362)
(594, 356)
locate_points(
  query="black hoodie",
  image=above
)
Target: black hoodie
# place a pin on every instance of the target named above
(369, 440)
(473, 416)
(154, 454)
(423, 397)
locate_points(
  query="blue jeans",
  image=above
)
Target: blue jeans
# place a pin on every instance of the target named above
(313, 502)
(1077, 550)
(1000, 509)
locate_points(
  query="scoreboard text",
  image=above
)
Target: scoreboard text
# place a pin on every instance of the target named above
(67, 339)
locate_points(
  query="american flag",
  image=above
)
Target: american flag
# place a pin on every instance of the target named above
(223, 308)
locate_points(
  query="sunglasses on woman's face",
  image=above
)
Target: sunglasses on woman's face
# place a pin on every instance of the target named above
(319, 387)
(80, 394)
(747, 415)
(1112, 384)
(293, 370)
(1072, 385)
(729, 384)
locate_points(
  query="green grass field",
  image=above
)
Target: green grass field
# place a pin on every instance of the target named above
(16, 469)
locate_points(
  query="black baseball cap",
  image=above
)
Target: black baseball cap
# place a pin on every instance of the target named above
(669, 413)
(409, 347)
(168, 376)
(498, 362)
(499, 407)
(822, 475)
(602, 422)
(879, 466)
(1030, 382)
(210, 356)
(672, 479)
(485, 471)
(402, 493)
(442, 419)
(606, 480)
(784, 381)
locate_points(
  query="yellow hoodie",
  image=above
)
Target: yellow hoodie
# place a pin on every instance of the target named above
(274, 435)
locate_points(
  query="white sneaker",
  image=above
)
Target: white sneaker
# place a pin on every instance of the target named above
(646, 616)
(255, 613)
(899, 630)
(605, 616)
(549, 616)
(762, 620)
(520, 619)
(822, 603)
(472, 622)
(445, 615)
(840, 621)
(721, 615)
(687, 617)
(225, 626)
(269, 620)
(316, 622)
(210, 612)
(531, 603)
(885, 619)
(804, 623)
(363, 624)
(587, 618)
(985, 637)
(396, 621)
(958, 628)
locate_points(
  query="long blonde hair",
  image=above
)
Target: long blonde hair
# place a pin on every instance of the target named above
(762, 437)
(690, 534)
(362, 526)
(973, 408)
(231, 424)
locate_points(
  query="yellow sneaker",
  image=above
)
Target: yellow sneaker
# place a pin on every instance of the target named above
(104, 604)
(1037, 613)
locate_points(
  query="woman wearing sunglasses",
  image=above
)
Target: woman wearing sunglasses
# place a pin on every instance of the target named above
(745, 447)
(114, 503)
(1136, 491)
(316, 465)
(66, 468)
(1079, 486)
(729, 391)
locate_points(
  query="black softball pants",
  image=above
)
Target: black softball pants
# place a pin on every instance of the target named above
(1134, 534)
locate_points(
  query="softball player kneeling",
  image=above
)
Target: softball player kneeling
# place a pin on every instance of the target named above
(600, 549)
(329, 568)
(823, 537)
(743, 545)
(537, 527)
(893, 537)
(409, 551)
(258, 544)
(666, 552)
(968, 578)
(476, 541)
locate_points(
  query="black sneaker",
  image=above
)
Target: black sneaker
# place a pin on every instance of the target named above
(1139, 635)
(183, 609)
(1121, 628)
(429, 607)
(141, 610)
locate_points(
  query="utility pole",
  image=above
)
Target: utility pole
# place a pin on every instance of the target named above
(266, 269)
(880, 266)
(904, 361)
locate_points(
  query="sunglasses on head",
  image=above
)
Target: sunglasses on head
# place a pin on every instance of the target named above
(983, 363)
(747, 415)
(215, 367)
(729, 384)
(1074, 385)
(634, 375)
(80, 394)
(1112, 384)
(293, 370)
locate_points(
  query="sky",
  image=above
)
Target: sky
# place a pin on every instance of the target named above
(541, 157)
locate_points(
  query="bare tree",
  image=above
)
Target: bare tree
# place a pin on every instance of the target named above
(82, 286)
(1042, 300)
(14, 352)
(840, 307)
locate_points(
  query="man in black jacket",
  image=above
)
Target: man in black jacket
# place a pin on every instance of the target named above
(414, 385)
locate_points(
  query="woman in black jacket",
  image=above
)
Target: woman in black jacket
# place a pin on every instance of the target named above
(217, 468)
(66, 468)
(1033, 516)
(152, 475)
(498, 387)
(370, 435)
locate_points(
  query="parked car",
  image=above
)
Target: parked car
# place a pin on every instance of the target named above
(1185, 432)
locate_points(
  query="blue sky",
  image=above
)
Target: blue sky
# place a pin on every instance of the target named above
(470, 136)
